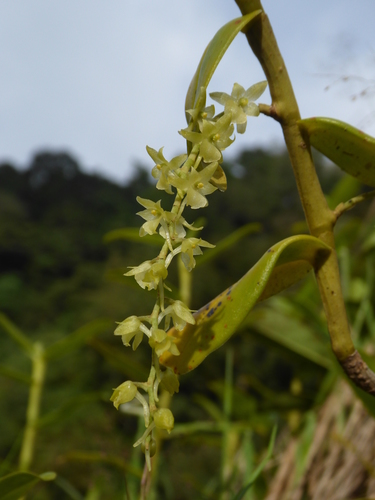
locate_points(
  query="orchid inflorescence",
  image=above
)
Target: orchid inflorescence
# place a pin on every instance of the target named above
(190, 178)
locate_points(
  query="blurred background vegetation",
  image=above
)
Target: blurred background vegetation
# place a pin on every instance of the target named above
(62, 284)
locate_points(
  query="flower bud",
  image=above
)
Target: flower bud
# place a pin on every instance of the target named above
(124, 393)
(164, 419)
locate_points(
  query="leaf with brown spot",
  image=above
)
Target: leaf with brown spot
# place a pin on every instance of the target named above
(352, 150)
(280, 267)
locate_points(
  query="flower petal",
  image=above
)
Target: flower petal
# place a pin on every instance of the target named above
(252, 109)
(195, 199)
(255, 91)
(130, 324)
(237, 91)
(209, 152)
(220, 97)
(137, 340)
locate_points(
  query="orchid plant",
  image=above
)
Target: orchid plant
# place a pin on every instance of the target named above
(189, 178)
(180, 340)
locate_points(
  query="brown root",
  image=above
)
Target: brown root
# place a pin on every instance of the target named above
(358, 371)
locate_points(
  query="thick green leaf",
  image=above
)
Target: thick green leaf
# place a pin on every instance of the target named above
(352, 150)
(281, 266)
(15, 485)
(213, 54)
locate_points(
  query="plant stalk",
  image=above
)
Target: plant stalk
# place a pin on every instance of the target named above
(33, 407)
(319, 217)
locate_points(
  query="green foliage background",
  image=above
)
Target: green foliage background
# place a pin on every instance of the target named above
(57, 274)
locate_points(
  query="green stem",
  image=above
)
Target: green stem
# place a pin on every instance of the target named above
(348, 205)
(33, 407)
(191, 159)
(319, 217)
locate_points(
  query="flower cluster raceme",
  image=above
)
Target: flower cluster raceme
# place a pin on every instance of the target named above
(190, 178)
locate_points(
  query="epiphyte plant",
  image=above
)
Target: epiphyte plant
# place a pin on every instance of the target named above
(190, 178)
(180, 340)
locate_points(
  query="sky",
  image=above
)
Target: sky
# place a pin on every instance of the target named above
(103, 79)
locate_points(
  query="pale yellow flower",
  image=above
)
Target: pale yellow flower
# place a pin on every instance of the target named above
(196, 185)
(164, 167)
(240, 103)
(149, 273)
(131, 328)
(179, 313)
(213, 137)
